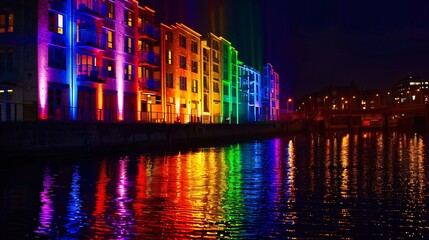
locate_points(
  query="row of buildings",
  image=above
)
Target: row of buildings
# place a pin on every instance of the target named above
(107, 60)
(408, 91)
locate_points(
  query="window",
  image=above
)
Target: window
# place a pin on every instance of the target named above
(169, 57)
(110, 39)
(57, 57)
(129, 18)
(183, 62)
(169, 80)
(110, 67)
(182, 41)
(56, 22)
(194, 66)
(225, 89)
(194, 47)
(195, 86)
(215, 68)
(182, 83)
(129, 45)
(128, 72)
(85, 64)
(205, 83)
(215, 87)
(234, 92)
(215, 57)
(6, 22)
(6, 60)
(110, 10)
(169, 36)
(215, 45)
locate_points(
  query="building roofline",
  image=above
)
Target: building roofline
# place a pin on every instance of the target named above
(188, 29)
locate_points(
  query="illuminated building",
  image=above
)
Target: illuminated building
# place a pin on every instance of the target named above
(149, 71)
(249, 93)
(78, 60)
(229, 69)
(182, 78)
(105, 60)
(212, 43)
(411, 90)
(270, 94)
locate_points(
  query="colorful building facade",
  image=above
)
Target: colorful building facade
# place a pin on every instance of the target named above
(249, 93)
(108, 61)
(270, 94)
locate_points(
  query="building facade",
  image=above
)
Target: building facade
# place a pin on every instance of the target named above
(270, 94)
(181, 59)
(108, 61)
(249, 93)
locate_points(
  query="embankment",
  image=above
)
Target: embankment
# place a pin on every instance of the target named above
(22, 139)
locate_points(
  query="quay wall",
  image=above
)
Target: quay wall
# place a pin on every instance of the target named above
(43, 137)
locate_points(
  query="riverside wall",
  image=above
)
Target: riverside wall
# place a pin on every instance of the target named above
(53, 138)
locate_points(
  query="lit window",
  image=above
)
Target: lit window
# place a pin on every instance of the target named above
(169, 57)
(129, 45)
(128, 72)
(110, 38)
(129, 20)
(6, 22)
(56, 22)
(195, 86)
(110, 10)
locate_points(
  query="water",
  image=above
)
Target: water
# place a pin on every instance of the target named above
(342, 185)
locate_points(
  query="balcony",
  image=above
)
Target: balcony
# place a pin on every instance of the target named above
(150, 59)
(150, 84)
(94, 8)
(149, 31)
(91, 40)
(88, 73)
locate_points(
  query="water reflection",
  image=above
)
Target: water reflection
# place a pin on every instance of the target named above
(342, 185)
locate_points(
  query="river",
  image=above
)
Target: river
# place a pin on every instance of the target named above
(360, 185)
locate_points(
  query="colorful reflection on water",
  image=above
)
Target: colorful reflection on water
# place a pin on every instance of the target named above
(342, 185)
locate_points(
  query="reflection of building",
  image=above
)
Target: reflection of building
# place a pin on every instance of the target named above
(107, 61)
(411, 90)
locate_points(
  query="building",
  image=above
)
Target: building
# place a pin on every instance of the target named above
(181, 51)
(411, 90)
(212, 44)
(229, 69)
(270, 94)
(108, 61)
(249, 93)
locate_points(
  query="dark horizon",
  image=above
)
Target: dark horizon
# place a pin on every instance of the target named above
(313, 45)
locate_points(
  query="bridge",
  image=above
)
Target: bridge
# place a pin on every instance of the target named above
(385, 116)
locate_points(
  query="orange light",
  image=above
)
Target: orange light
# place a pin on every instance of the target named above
(289, 100)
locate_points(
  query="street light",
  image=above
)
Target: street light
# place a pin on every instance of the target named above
(287, 105)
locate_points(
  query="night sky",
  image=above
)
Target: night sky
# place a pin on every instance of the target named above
(315, 44)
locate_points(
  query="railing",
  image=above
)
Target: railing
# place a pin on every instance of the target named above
(147, 29)
(91, 73)
(149, 57)
(91, 39)
(17, 112)
(93, 7)
(150, 84)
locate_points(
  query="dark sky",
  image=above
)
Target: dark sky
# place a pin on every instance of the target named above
(313, 44)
